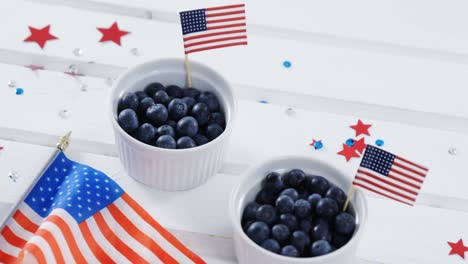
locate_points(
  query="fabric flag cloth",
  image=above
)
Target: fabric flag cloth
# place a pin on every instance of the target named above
(212, 28)
(76, 214)
(390, 175)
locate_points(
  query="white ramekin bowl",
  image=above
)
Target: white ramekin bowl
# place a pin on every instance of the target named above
(249, 252)
(172, 169)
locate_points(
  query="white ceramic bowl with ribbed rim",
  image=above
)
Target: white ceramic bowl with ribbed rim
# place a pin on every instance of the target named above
(172, 169)
(249, 252)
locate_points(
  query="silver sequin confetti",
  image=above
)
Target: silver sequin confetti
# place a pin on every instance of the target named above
(135, 52)
(11, 84)
(83, 87)
(64, 113)
(78, 52)
(14, 175)
(290, 111)
(72, 69)
(452, 151)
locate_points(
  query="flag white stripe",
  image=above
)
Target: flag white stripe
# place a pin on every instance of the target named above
(401, 171)
(212, 20)
(226, 23)
(383, 191)
(396, 175)
(215, 44)
(62, 243)
(128, 239)
(29, 213)
(77, 235)
(211, 31)
(8, 248)
(216, 37)
(386, 186)
(45, 248)
(150, 231)
(233, 9)
(19, 230)
(380, 176)
(409, 165)
(113, 253)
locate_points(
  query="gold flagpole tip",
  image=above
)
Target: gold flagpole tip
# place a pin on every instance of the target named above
(64, 141)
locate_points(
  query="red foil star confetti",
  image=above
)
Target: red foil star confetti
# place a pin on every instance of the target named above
(359, 145)
(458, 248)
(113, 33)
(1, 148)
(348, 152)
(40, 36)
(361, 128)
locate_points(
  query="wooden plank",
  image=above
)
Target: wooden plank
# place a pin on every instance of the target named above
(317, 70)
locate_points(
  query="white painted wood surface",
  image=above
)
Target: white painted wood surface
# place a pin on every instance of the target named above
(400, 66)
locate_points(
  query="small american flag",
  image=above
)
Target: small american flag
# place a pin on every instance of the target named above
(78, 214)
(390, 175)
(214, 27)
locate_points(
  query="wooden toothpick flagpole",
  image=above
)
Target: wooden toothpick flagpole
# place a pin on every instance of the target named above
(187, 69)
(350, 195)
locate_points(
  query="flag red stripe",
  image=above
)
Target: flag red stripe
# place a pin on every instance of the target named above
(412, 163)
(67, 233)
(164, 233)
(141, 237)
(24, 222)
(224, 7)
(37, 253)
(408, 169)
(93, 245)
(116, 242)
(213, 40)
(216, 46)
(406, 175)
(12, 238)
(6, 258)
(404, 182)
(227, 26)
(388, 182)
(225, 20)
(225, 13)
(50, 239)
(215, 34)
(381, 193)
(384, 188)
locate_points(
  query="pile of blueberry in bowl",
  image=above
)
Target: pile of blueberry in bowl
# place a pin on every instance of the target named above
(171, 117)
(293, 208)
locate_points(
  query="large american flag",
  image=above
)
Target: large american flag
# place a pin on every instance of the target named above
(390, 175)
(214, 27)
(76, 214)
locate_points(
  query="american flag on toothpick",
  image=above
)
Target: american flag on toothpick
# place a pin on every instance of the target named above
(78, 214)
(390, 175)
(213, 28)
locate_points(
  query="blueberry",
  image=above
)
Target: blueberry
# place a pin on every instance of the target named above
(187, 126)
(177, 109)
(340, 240)
(213, 131)
(291, 193)
(285, 204)
(345, 223)
(302, 208)
(246, 225)
(128, 101)
(165, 130)
(201, 112)
(267, 213)
(146, 133)
(327, 208)
(336, 194)
(166, 141)
(264, 197)
(271, 245)
(321, 231)
(218, 118)
(191, 92)
(258, 232)
(313, 200)
(185, 142)
(200, 139)
(161, 97)
(152, 88)
(281, 233)
(295, 178)
(318, 184)
(289, 251)
(250, 211)
(128, 120)
(300, 240)
(174, 91)
(320, 248)
(210, 100)
(288, 220)
(190, 102)
(156, 114)
(305, 225)
(144, 105)
(171, 123)
(273, 183)
(141, 95)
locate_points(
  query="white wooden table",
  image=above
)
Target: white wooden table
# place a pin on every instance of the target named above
(402, 66)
